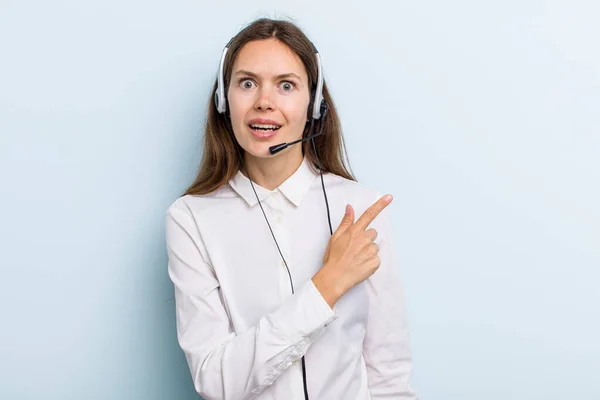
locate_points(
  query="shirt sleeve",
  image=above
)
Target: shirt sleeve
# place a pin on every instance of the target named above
(225, 364)
(386, 347)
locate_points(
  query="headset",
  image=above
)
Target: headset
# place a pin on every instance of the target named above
(319, 112)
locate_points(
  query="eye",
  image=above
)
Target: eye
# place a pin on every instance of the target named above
(246, 83)
(287, 86)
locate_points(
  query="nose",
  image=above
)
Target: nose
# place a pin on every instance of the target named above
(265, 101)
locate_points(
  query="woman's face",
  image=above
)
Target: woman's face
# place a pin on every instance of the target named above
(268, 96)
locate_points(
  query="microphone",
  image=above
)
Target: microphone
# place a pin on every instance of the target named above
(278, 147)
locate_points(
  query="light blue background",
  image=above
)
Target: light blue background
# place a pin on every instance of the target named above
(480, 117)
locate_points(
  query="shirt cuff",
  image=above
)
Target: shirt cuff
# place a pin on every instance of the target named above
(304, 315)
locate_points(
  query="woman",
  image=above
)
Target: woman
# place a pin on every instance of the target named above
(271, 303)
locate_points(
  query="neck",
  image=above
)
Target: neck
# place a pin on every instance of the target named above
(273, 171)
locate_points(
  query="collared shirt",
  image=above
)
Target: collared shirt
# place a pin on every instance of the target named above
(242, 330)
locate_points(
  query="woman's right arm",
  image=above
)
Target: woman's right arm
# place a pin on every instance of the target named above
(225, 364)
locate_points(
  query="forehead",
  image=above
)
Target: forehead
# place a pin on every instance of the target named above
(269, 57)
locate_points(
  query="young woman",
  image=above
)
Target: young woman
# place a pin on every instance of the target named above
(271, 302)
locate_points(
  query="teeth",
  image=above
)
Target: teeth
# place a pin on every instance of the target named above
(261, 126)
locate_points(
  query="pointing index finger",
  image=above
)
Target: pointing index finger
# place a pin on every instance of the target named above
(372, 212)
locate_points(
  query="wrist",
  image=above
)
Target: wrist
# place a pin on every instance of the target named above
(328, 285)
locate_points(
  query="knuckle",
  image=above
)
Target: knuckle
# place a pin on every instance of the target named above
(370, 213)
(374, 249)
(374, 264)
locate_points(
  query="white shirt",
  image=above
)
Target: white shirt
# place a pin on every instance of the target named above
(240, 327)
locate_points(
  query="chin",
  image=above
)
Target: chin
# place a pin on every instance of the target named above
(258, 150)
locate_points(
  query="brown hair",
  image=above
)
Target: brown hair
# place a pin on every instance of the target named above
(221, 158)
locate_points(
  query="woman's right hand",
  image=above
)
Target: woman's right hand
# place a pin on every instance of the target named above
(351, 256)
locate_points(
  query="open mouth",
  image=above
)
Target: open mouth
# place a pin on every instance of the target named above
(264, 127)
(264, 130)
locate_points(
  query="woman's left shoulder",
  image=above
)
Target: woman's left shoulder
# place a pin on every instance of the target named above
(353, 191)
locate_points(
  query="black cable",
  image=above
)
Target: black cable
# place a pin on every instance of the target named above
(277, 244)
(287, 269)
(270, 229)
(323, 185)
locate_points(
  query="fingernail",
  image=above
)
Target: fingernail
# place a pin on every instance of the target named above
(347, 208)
(388, 198)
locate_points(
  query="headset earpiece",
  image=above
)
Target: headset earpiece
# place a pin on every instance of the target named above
(217, 105)
(220, 101)
(324, 110)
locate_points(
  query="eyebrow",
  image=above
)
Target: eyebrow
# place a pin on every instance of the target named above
(282, 76)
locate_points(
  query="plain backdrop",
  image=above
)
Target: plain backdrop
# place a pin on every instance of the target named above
(481, 118)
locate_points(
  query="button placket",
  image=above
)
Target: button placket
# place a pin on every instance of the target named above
(276, 206)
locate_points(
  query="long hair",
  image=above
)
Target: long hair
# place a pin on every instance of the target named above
(221, 157)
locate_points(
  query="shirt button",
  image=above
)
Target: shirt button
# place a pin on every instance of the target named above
(279, 220)
(296, 362)
(282, 264)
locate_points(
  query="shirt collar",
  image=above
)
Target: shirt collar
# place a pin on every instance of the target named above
(294, 188)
